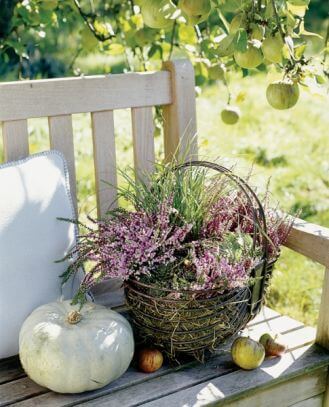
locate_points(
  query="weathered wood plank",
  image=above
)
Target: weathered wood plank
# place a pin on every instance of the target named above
(276, 324)
(15, 140)
(271, 321)
(10, 369)
(131, 377)
(322, 336)
(326, 394)
(180, 116)
(307, 365)
(284, 394)
(55, 97)
(19, 389)
(265, 314)
(161, 386)
(143, 141)
(310, 240)
(61, 139)
(188, 375)
(316, 401)
(282, 324)
(104, 160)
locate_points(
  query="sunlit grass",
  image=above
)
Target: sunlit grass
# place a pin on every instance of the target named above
(299, 138)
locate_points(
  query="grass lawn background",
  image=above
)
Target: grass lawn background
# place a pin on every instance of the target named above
(291, 147)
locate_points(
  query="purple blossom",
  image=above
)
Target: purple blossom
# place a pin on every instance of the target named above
(215, 271)
(158, 247)
(234, 213)
(131, 244)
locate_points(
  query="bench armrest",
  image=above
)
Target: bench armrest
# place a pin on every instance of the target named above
(310, 240)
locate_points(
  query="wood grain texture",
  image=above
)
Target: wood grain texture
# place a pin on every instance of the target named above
(15, 140)
(288, 379)
(283, 394)
(316, 401)
(143, 141)
(61, 139)
(55, 97)
(180, 131)
(19, 389)
(104, 160)
(10, 369)
(322, 336)
(326, 393)
(310, 240)
(130, 378)
(136, 387)
(264, 315)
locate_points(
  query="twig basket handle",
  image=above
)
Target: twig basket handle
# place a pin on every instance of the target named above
(259, 227)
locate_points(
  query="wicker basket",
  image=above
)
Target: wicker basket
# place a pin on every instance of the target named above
(194, 322)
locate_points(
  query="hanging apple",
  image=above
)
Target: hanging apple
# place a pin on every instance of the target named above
(225, 47)
(217, 71)
(282, 94)
(251, 58)
(230, 115)
(158, 14)
(257, 31)
(272, 48)
(238, 21)
(196, 10)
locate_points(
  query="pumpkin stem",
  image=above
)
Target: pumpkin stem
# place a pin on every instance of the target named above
(74, 317)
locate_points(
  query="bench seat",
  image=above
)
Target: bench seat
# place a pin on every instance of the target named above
(297, 379)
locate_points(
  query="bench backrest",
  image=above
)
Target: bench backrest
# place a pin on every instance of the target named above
(58, 99)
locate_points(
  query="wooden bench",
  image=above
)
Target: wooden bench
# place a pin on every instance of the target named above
(299, 378)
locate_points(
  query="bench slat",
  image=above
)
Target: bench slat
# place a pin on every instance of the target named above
(285, 393)
(131, 377)
(180, 116)
(143, 140)
(265, 314)
(307, 365)
(316, 401)
(189, 375)
(19, 389)
(10, 369)
(105, 160)
(266, 319)
(61, 139)
(15, 140)
(55, 97)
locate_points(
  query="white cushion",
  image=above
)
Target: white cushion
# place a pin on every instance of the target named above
(34, 192)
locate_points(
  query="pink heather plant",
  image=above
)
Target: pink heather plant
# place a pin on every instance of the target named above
(215, 271)
(234, 213)
(130, 244)
(179, 237)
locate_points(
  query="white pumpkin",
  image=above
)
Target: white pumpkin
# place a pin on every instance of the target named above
(71, 351)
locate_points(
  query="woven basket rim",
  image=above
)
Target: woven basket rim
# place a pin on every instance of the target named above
(204, 291)
(188, 291)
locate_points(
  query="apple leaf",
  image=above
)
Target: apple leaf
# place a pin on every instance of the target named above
(241, 40)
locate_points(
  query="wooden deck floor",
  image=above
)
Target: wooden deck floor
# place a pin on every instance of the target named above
(299, 375)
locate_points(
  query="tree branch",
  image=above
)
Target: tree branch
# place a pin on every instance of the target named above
(86, 17)
(326, 40)
(282, 34)
(172, 41)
